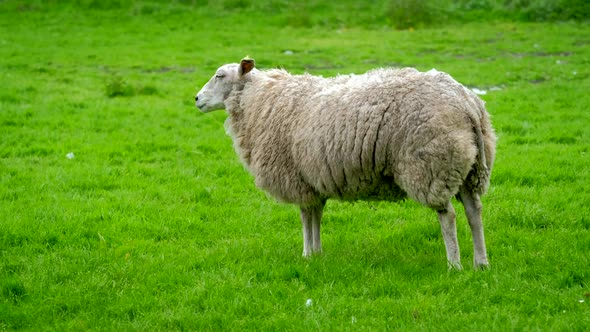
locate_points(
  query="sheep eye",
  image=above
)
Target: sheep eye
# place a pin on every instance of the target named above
(219, 76)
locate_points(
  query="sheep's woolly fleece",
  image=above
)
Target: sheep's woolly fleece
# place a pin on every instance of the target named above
(383, 135)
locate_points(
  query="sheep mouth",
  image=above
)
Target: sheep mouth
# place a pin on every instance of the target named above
(200, 106)
(204, 108)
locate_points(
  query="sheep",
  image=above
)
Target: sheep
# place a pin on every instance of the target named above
(388, 134)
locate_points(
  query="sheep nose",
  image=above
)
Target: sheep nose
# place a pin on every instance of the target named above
(196, 98)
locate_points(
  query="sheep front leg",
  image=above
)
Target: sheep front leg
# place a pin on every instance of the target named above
(311, 218)
(473, 209)
(448, 227)
(307, 222)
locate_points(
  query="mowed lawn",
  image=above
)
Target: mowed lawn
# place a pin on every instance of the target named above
(122, 207)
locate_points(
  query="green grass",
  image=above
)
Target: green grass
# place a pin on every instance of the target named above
(155, 225)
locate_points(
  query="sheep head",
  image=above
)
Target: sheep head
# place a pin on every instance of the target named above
(227, 78)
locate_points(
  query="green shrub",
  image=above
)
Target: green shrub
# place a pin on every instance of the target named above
(298, 16)
(117, 87)
(406, 14)
(549, 10)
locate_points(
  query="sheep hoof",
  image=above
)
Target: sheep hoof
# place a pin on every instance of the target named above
(481, 266)
(311, 254)
(308, 254)
(454, 266)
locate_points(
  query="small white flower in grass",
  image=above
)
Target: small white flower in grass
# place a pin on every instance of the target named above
(308, 303)
(353, 320)
(70, 155)
(581, 301)
(288, 52)
(478, 91)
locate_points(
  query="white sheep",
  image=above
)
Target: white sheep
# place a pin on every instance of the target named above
(384, 135)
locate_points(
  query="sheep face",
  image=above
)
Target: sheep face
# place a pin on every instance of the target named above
(212, 95)
(226, 79)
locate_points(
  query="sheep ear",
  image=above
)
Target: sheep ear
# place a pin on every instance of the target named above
(246, 65)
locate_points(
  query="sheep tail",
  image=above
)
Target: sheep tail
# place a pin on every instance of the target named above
(479, 178)
(481, 164)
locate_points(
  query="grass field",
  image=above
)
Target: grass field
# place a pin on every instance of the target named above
(124, 208)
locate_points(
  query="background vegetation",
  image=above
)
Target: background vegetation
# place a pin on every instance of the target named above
(401, 14)
(124, 208)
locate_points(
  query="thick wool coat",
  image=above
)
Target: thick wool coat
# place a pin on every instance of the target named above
(384, 135)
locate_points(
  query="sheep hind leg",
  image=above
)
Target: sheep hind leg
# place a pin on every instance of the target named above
(473, 208)
(448, 226)
(316, 222)
(311, 218)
